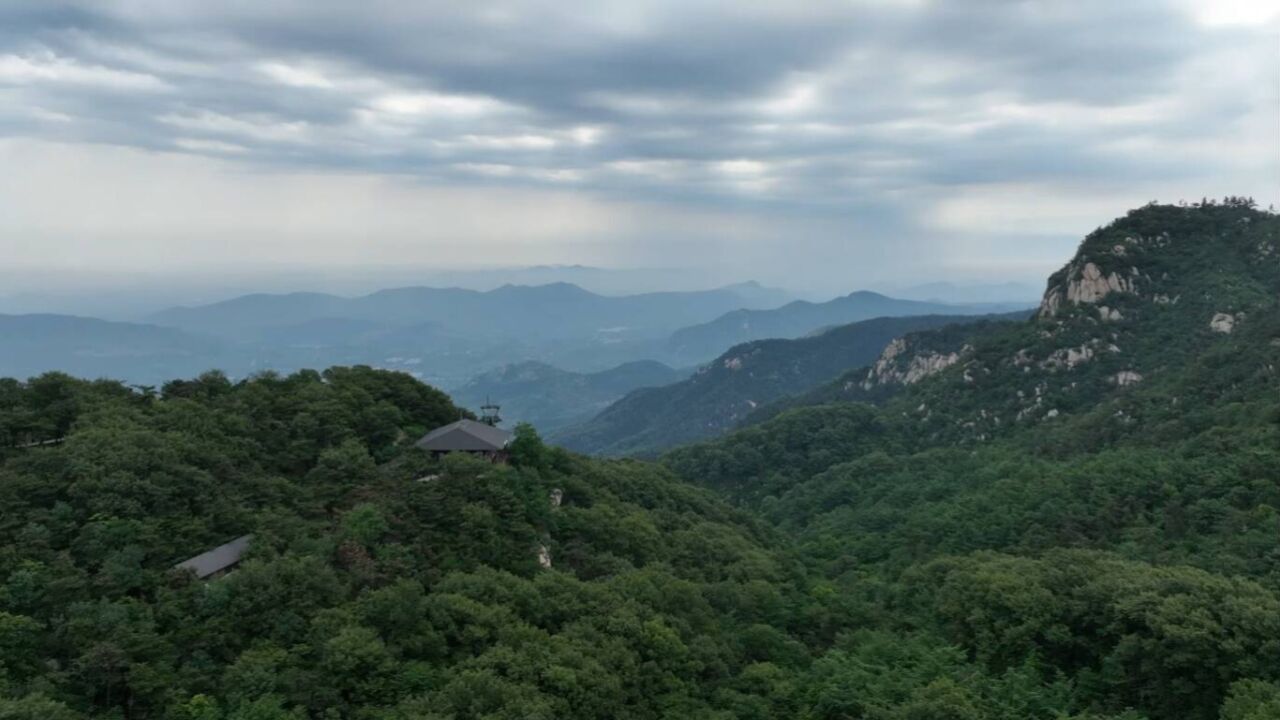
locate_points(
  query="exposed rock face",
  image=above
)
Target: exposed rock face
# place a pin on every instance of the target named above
(544, 557)
(1125, 378)
(557, 497)
(888, 369)
(1091, 286)
(733, 363)
(1084, 286)
(1068, 357)
(1107, 314)
(1222, 322)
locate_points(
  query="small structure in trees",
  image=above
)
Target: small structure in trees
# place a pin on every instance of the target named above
(217, 561)
(469, 436)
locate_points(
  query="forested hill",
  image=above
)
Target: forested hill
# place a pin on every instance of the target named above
(720, 394)
(1165, 316)
(379, 583)
(1092, 493)
(1113, 560)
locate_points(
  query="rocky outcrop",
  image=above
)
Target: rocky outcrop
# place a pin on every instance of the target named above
(1085, 286)
(1223, 323)
(895, 369)
(1124, 378)
(1068, 357)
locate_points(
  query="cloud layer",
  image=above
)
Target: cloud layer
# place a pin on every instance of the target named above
(924, 136)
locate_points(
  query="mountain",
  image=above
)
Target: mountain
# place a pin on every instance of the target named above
(904, 361)
(87, 347)
(551, 398)
(719, 395)
(444, 336)
(554, 311)
(1140, 305)
(699, 342)
(1088, 495)
(1163, 326)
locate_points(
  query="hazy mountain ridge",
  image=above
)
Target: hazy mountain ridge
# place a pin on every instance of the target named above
(719, 395)
(801, 317)
(93, 348)
(444, 336)
(557, 310)
(441, 335)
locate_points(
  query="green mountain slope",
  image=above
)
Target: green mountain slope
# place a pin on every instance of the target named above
(1104, 514)
(550, 398)
(721, 394)
(1166, 306)
(914, 560)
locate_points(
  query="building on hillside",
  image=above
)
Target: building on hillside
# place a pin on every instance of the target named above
(469, 436)
(217, 561)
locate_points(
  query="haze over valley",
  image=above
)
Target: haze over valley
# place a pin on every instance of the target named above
(638, 360)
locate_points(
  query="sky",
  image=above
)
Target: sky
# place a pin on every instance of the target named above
(820, 146)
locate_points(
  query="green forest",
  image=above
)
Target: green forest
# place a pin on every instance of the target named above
(1025, 533)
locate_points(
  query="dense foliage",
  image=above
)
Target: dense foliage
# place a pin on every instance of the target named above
(1122, 536)
(1117, 559)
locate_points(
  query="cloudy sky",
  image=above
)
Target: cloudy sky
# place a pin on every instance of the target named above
(832, 145)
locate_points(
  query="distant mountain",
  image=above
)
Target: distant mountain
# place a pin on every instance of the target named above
(548, 312)
(699, 342)
(721, 394)
(92, 348)
(551, 398)
(446, 336)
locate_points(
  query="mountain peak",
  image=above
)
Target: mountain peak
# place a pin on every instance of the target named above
(1159, 254)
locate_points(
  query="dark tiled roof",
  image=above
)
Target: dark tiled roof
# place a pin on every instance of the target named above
(465, 435)
(217, 559)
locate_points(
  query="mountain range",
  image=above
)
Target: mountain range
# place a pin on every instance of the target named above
(802, 317)
(722, 393)
(556, 311)
(445, 336)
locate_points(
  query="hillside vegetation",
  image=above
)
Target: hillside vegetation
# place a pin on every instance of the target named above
(722, 393)
(1093, 491)
(953, 550)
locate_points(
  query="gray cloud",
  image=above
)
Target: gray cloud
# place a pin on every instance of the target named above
(870, 115)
